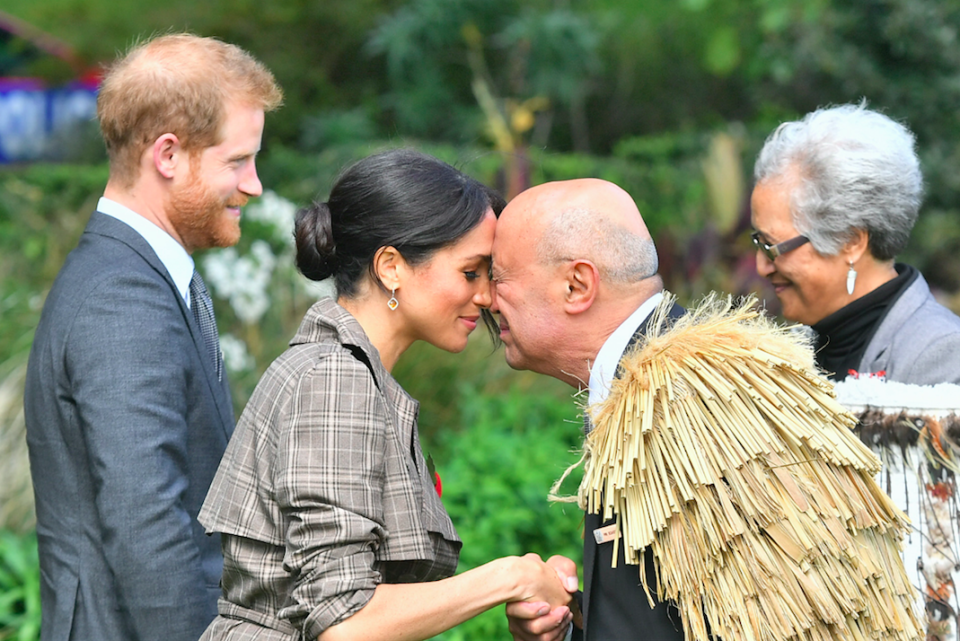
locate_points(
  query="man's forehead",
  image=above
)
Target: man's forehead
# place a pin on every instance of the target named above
(511, 251)
(501, 260)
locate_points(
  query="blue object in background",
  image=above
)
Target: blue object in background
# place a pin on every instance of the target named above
(33, 118)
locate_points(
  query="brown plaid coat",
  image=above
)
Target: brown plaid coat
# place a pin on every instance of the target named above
(323, 492)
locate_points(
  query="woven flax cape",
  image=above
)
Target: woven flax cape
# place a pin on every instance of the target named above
(722, 449)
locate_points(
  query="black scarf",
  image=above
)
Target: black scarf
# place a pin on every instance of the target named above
(843, 336)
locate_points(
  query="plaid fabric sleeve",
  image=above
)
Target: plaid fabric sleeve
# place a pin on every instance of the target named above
(329, 478)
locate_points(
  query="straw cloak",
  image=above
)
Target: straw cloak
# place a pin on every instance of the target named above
(722, 449)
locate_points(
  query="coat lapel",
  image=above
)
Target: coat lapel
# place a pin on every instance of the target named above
(220, 391)
(593, 521)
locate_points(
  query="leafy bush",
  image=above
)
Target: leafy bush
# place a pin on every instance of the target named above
(496, 472)
(43, 209)
(19, 587)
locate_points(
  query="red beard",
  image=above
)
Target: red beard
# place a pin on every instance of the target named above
(200, 216)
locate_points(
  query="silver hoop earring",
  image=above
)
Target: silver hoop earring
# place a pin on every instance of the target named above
(393, 303)
(851, 278)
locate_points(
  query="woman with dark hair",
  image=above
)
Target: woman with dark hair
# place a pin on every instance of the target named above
(837, 194)
(331, 525)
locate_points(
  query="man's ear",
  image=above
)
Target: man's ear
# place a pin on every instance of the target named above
(582, 283)
(389, 266)
(167, 154)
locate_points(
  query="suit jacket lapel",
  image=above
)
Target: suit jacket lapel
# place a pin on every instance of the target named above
(112, 228)
(675, 312)
(592, 522)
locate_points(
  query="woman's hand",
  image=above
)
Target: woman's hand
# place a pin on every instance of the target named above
(414, 611)
(537, 621)
(539, 581)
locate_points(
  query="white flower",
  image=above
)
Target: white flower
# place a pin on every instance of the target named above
(235, 354)
(243, 280)
(217, 268)
(275, 211)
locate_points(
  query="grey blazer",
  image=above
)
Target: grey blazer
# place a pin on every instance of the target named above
(918, 341)
(126, 423)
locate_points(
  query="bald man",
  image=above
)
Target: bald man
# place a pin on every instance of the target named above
(576, 279)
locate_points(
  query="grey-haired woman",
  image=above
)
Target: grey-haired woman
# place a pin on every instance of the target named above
(837, 194)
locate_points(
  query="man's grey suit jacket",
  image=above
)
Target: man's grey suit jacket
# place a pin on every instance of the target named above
(126, 424)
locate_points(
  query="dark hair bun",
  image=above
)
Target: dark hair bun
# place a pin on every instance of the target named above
(400, 198)
(316, 250)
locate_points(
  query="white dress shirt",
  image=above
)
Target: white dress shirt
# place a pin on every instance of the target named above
(605, 367)
(174, 257)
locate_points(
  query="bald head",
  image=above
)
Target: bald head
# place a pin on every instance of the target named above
(587, 219)
(544, 201)
(571, 261)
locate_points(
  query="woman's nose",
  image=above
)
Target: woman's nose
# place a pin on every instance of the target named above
(484, 295)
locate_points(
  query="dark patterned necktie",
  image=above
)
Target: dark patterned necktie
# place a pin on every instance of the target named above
(202, 307)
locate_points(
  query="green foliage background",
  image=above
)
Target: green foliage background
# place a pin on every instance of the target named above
(671, 99)
(19, 587)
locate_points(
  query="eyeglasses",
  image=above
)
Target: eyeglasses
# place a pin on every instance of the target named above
(772, 251)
